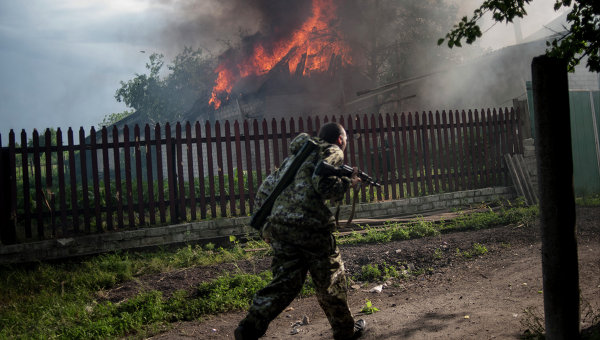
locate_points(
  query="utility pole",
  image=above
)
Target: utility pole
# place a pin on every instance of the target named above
(557, 201)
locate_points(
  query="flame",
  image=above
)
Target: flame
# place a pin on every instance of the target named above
(315, 38)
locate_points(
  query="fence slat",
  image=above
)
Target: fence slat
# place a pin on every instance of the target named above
(118, 182)
(391, 156)
(62, 195)
(375, 152)
(477, 148)
(190, 170)
(485, 121)
(128, 179)
(50, 201)
(276, 140)
(171, 171)
(149, 174)
(384, 149)
(210, 168)
(368, 154)
(412, 139)
(427, 154)
(361, 156)
(250, 175)
(239, 167)
(453, 152)
(446, 179)
(10, 230)
(470, 139)
(84, 179)
(257, 153)
(220, 172)
(230, 175)
(106, 175)
(159, 174)
(95, 180)
(284, 143)
(438, 163)
(138, 175)
(398, 154)
(497, 149)
(406, 155)
(199, 152)
(73, 181)
(39, 193)
(267, 153)
(180, 180)
(26, 189)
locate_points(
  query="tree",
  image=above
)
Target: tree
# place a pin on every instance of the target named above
(582, 39)
(163, 99)
(113, 118)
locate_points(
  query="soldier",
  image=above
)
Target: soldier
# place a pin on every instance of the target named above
(299, 230)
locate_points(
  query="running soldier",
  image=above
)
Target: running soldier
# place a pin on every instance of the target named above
(299, 230)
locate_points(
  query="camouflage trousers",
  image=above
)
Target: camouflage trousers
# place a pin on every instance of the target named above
(290, 266)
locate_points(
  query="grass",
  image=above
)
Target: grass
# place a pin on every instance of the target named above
(63, 300)
(507, 213)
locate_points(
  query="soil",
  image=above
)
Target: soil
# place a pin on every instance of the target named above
(497, 295)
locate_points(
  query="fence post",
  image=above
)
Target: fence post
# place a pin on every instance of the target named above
(8, 232)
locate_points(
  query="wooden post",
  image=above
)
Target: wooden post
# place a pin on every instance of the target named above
(557, 201)
(8, 233)
(520, 107)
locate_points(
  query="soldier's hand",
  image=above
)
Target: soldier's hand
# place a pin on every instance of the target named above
(355, 180)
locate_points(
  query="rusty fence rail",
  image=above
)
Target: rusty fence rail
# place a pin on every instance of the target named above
(54, 186)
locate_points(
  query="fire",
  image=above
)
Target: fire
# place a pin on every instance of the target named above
(315, 38)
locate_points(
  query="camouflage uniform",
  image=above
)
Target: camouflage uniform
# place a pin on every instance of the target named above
(300, 229)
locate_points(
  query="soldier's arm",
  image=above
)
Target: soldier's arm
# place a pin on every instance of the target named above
(332, 187)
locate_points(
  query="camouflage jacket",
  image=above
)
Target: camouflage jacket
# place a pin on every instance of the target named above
(301, 208)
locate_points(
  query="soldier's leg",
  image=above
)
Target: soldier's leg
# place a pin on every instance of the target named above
(327, 273)
(289, 273)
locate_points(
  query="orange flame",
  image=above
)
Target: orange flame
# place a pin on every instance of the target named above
(315, 38)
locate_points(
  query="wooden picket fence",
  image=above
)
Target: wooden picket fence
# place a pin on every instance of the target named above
(118, 179)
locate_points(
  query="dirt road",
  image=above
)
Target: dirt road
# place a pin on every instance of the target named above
(482, 297)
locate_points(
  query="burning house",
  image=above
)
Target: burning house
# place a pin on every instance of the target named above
(294, 70)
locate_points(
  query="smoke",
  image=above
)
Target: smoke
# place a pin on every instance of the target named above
(396, 41)
(220, 25)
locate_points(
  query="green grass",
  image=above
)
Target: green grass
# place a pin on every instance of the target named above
(64, 300)
(504, 215)
(588, 201)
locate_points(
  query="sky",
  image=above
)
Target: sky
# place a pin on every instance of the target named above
(61, 61)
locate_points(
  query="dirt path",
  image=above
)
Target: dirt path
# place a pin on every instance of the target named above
(483, 297)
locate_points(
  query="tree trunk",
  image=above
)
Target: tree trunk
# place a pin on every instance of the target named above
(557, 202)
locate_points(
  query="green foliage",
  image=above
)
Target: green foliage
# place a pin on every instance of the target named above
(582, 38)
(368, 308)
(476, 250)
(163, 99)
(376, 272)
(61, 297)
(113, 118)
(507, 213)
(228, 293)
(588, 201)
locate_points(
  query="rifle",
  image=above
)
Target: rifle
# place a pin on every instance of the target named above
(258, 218)
(326, 169)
